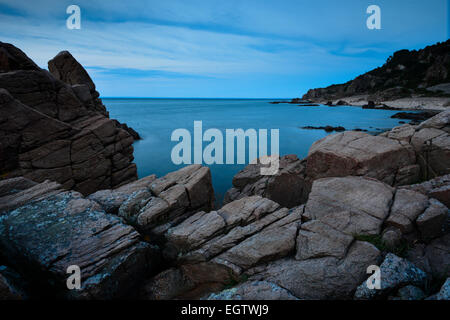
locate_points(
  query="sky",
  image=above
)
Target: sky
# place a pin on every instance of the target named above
(221, 49)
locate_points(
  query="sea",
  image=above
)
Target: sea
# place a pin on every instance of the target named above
(155, 119)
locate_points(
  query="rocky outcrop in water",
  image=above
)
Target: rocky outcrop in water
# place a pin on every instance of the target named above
(401, 156)
(54, 126)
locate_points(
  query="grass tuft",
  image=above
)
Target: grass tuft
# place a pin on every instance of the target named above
(399, 250)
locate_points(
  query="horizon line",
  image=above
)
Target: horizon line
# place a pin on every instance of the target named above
(210, 98)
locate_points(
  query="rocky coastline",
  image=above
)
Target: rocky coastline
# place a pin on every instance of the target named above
(54, 126)
(409, 80)
(69, 195)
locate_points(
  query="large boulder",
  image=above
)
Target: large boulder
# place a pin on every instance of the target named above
(361, 154)
(432, 223)
(323, 277)
(43, 238)
(352, 205)
(433, 258)
(317, 239)
(407, 206)
(287, 187)
(154, 205)
(438, 188)
(433, 149)
(320, 250)
(243, 234)
(254, 290)
(64, 67)
(430, 141)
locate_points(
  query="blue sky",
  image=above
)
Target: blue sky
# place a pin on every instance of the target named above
(208, 48)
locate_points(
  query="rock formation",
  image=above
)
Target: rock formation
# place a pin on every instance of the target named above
(54, 126)
(43, 238)
(401, 156)
(288, 187)
(404, 73)
(45, 229)
(163, 233)
(317, 251)
(68, 197)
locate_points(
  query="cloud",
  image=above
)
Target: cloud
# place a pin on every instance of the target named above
(212, 44)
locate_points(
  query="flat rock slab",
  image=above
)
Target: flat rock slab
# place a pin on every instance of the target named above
(352, 205)
(359, 154)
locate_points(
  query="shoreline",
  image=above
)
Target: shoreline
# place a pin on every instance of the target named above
(434, 104)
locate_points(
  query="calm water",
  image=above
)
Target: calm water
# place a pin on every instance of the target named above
(155, 119)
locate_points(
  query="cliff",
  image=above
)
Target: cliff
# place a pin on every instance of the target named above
(404, 74)
(53, 125)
